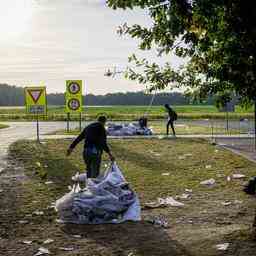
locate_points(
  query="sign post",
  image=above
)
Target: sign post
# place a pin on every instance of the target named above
(74, 102)
(36, 104)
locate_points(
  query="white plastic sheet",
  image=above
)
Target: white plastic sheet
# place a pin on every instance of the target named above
(107, 199)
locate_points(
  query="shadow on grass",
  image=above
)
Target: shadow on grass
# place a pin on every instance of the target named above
(140, 238)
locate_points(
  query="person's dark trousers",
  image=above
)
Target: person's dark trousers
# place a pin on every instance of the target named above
(92, 162)
(170, 123)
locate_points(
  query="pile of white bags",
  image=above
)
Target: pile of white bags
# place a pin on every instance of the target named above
(107, 199)
(127, 130)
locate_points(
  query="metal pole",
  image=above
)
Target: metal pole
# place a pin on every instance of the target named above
(80, 121)
(68, 117)
(37, 128)
(255, 124)
(227, 128)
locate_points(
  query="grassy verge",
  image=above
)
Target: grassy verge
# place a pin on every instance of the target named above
(2, 126)
(195, 229)
(159, 127)
(129, 113)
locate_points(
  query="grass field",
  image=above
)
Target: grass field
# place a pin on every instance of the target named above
(130, 112)
(2, 126)
(194, 229)
(186, 128)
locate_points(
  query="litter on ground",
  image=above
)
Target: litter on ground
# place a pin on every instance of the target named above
(222, 247)
(27, 242)
(165, 174)
(37, 212)
(107, 199)
(226, 203)
(160, 221)
(209, 182)
(127, 129)
(238, 176)
(67, 249)
(42, 251)
(170, 201)
(48, 182)
(48, 241)
(208, 166)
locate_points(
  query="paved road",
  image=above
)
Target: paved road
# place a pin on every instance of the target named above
(23, 130)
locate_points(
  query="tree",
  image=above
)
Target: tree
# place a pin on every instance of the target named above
(218, 37)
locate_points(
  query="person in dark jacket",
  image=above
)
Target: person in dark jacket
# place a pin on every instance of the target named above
(172, 117)
(95, 142)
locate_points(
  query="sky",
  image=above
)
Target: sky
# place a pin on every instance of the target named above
(45, 42)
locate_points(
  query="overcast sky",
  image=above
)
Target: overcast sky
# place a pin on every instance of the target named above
(49, 41)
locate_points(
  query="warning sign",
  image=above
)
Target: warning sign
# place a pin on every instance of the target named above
(35, 98)
(73, 96)
(73, 104)
(74, 88)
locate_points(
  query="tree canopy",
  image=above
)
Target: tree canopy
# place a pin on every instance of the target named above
(217, 36)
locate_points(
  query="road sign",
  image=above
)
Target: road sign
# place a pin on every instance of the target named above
(74, 88)
(73, 104)
(73, 96)
(35, 98)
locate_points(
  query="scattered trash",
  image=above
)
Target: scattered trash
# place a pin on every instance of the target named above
(238, 202)
(161, 137)
(165, 174)
(170, 201)
(188, 190)
(188, 154)
(42, 251)
(228, 178)
(226, 203)
(1, 191)
(60, 221)
(159, 221)
(38, 164)
(222, 247)
(109, 198)
(127, 129)
(238, 176)
(131, 254)
(23, 221)
(185, 196)
(220, 175)
(77, 236)
(27, 242)
(208, 166)
(153, 205)
(181, 157)
(48, 241)
(157, 154)
(209, 182)
(67, 249)
(216, 150)
(37, 212)
(48, 182)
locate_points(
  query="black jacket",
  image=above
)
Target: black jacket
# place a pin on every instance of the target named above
(93, 135)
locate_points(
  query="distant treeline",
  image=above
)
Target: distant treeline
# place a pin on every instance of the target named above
(14, 96)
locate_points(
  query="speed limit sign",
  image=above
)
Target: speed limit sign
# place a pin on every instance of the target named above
(73, 96)
(74, 88)
(73, 104)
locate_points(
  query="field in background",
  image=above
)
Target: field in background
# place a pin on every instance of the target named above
(130, 112)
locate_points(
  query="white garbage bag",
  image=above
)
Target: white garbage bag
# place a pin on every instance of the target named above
(107, 199)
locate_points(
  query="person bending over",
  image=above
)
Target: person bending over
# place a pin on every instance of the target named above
(172, 117)
(95, 142)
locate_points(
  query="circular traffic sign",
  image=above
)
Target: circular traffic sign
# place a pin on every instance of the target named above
(74, 104)
(74, 88)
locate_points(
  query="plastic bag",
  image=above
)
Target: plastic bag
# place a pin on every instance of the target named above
(107, 199)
